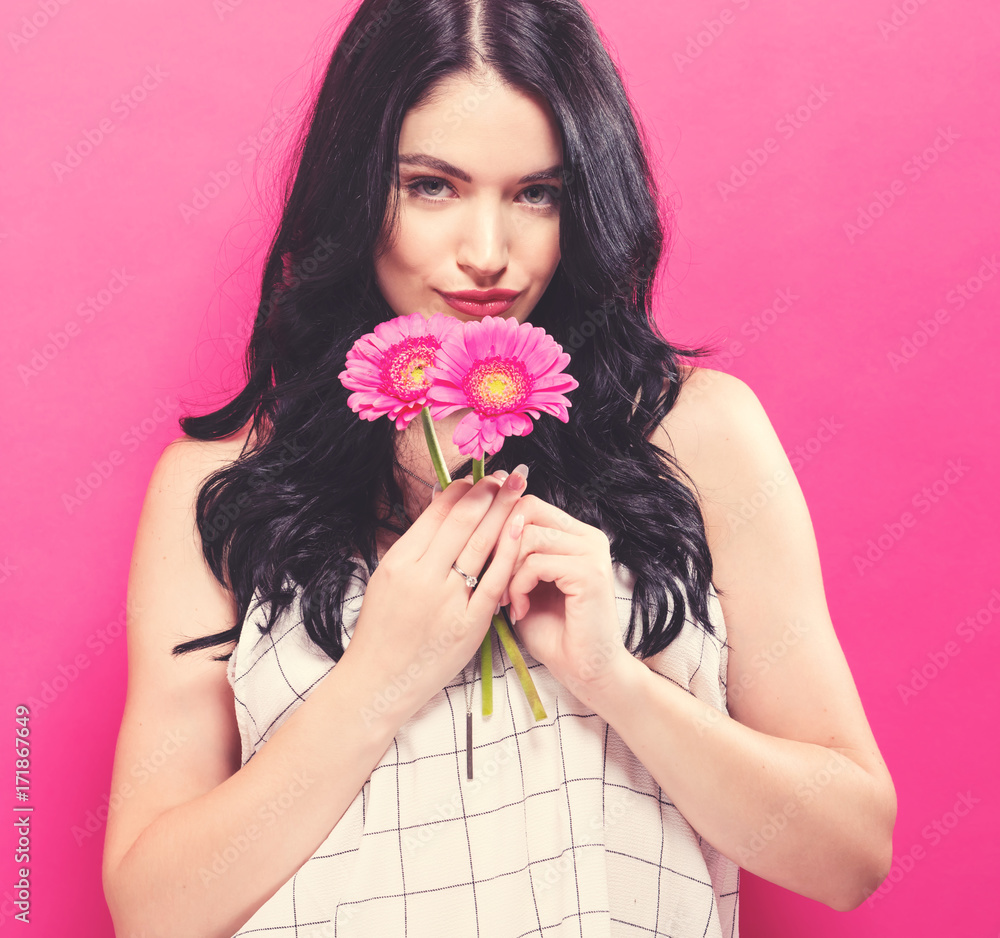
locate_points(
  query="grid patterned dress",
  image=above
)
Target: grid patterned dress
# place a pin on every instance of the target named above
(562, 833)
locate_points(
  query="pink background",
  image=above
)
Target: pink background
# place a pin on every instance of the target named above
(869, 432)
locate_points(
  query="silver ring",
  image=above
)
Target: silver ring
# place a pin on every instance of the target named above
(469, 580)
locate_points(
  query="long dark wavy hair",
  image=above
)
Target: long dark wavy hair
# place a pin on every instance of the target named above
(300, 503)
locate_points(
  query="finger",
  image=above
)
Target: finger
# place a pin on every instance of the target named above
(538, 511)
(500, 475)
(420, 534)
(472, 550)
(485, 596)
(536, 568)
(541, 539)
(567, 538)
(570, 576)
(463, 516)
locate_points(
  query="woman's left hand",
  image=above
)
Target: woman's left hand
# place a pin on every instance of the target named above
(570, 621)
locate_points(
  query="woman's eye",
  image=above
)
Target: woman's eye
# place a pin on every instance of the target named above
(432, 183)
(541, 191)
(431, 188)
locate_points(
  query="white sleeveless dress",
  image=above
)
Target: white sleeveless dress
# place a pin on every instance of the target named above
(562, 832)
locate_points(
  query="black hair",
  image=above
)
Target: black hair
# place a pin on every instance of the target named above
(300, 502)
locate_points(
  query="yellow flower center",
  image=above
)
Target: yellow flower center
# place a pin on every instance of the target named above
(497, 385)
(403, 367)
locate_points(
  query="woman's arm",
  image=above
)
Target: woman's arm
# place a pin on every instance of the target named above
(791, 784)
(196, 844)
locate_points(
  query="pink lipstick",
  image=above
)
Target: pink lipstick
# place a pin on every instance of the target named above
(481, 302)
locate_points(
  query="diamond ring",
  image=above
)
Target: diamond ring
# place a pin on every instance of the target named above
(469, 579)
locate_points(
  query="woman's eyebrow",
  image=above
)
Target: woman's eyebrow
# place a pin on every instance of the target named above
(443, 166)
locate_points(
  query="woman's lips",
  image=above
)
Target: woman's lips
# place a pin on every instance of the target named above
(479, 307)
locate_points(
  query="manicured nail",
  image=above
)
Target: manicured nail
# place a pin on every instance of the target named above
(497, 612)
(516, 526)
(513, 618)
(501, 474)
(518, 478)
(437, 487)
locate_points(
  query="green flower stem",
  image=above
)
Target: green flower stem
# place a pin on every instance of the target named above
(486, 649)
(516, 659)
(499, 623)
(437, 457)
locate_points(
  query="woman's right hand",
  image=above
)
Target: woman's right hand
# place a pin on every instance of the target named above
(420, 623)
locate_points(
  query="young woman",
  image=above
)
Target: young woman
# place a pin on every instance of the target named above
(654, 553)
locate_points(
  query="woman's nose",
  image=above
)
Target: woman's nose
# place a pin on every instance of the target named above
(483, 247)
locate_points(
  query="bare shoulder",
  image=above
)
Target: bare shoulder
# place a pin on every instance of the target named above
(766, 563)
(721, 436)
(180, 472)
(179, 711)
(188, 455)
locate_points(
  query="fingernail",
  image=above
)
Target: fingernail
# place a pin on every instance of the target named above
(518, 478)
(516, 526)
(501, 474)
(437, 487)
(497, 612)
(513, 618)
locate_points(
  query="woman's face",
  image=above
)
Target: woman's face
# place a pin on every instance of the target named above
(469, 220)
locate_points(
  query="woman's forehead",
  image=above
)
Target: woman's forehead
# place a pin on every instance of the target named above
(496, 129)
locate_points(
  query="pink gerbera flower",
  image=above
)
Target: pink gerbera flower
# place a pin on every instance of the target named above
(387, 368)
(504, 370)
